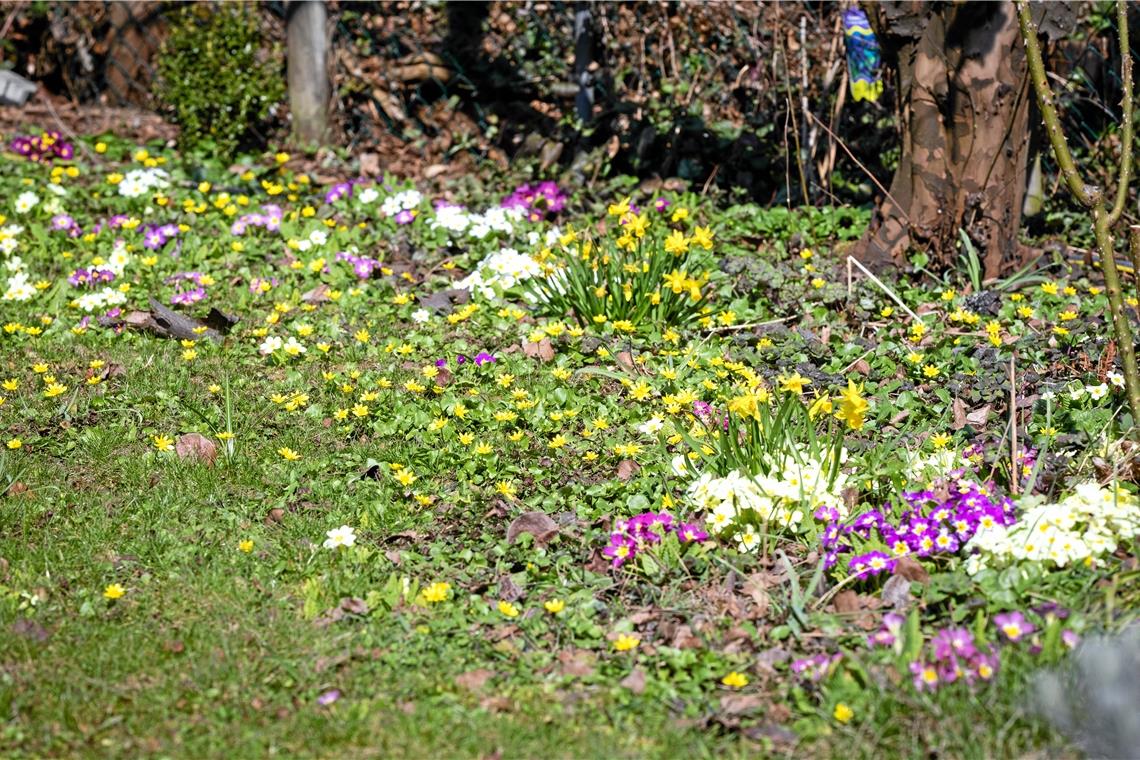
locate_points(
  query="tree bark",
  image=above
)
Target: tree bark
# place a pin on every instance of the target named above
(963, 108)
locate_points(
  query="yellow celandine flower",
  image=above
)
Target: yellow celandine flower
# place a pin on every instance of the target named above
(163, 442)
(405, 477)
(818, 282)
(10, 384)
(245, 546)
(558, 441)
(615, 209)
(852, 406)
(114, 591)
(641, 391)
(1058, 330)
(515, 436)
(508, 609)
(626, 642)
(930, 370)
(483, 449)
(886, 311)
(225, 435)
(506, 489)
(1025, 312)
(1049, 287)
(288, 454)
(794, 383)
(436, 592)
(1066, 315)
(843, 713)
(14, 443)
(554, 606)
(735, 680)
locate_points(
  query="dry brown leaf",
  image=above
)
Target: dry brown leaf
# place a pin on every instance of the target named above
(635, 681)
(474, 680)
(741, 704)
(538, 524)
(577, 662)
(543, 350)
(319, 294)
(962, 418)
(910, 569)
(627, 468)
(896, 592)
(196, 447)
(847, 602)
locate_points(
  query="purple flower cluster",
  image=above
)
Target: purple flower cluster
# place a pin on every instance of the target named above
(814, 668)
(188, 288)
(269, 219)
(952, 654)
(256, 283)
(46, 147)
(338, 191)
(934, 522)
(538, 201)
(155, 236)
(66, 223)
(480, 359)
(94, 276)
(707, 415)
(361, 265)
(111, 223)
(635, 534)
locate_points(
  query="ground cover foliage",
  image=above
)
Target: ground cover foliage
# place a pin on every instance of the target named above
(347, 470)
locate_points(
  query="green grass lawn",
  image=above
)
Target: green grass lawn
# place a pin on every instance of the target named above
(165, 596)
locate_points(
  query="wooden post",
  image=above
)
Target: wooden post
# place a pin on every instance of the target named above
(308, 69)
(583, 54)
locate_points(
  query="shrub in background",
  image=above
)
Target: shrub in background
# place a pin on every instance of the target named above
(213, 77)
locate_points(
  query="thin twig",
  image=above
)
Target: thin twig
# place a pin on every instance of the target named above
(865, 170)
(732, 328)
(1015, 471)
(884, 288)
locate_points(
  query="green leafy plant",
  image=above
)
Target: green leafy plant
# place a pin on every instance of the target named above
(640, 277)
(213, 78)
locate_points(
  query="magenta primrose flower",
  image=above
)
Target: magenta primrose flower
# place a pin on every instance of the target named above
(1013, 625)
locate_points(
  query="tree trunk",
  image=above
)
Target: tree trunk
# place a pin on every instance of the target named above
(963, 108)
(307, 69)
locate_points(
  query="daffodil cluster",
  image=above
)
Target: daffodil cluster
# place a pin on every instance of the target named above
(645, 272)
